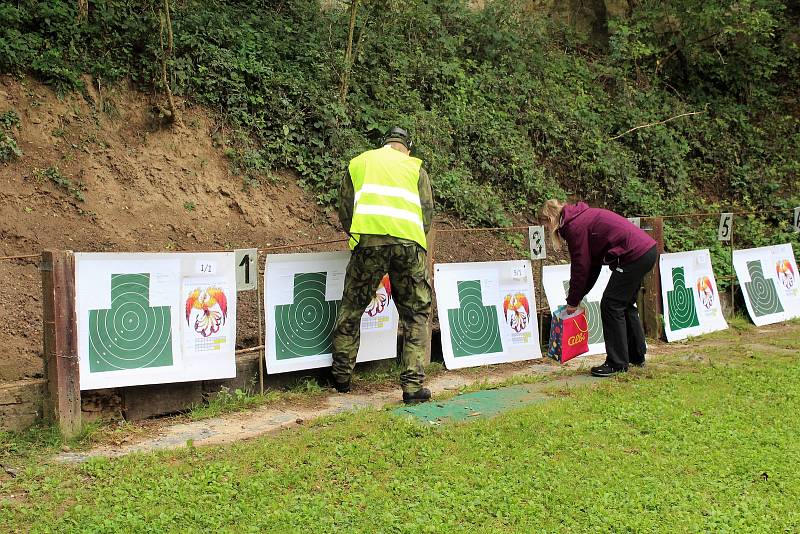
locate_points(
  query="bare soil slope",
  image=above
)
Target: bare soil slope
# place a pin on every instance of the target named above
(146, 188)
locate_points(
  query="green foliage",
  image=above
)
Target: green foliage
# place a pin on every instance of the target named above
(227, 401)
(507, 107)
(9, 119)
(189, 205)
(52, 174)
(8, 145)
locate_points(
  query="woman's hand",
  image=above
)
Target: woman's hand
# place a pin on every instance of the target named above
(571, 309)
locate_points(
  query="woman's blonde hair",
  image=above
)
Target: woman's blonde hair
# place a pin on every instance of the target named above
(551, 213)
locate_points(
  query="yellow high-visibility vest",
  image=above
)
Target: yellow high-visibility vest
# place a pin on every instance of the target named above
(386, 202)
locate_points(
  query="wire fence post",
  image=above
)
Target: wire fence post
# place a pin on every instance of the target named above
(260, 298)
(431, 239)
(63, 403)
(733, 271)
(651, 298)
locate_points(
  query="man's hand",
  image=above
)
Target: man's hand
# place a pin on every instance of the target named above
(571, 309)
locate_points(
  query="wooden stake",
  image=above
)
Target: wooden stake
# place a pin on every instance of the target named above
(431, 238)
(651, 299)
(63, 405)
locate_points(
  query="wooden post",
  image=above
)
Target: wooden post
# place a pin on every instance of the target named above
(260, 297)
(651, 305)
(431, 238)
(63, 403)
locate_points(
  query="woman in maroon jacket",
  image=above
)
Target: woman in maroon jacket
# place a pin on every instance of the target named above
(597, 237)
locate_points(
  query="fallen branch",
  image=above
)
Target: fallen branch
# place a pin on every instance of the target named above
(657, 123)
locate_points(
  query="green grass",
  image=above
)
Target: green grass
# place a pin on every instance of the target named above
(684, 446)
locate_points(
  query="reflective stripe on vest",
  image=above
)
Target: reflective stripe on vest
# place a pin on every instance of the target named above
(386, 201)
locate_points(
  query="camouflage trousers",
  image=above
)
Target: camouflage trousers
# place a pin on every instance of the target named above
(411, 290)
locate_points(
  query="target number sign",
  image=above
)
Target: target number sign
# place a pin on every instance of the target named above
(246, 269)
(537, 243)
(636, 221)
(797, 219)
(725, 227)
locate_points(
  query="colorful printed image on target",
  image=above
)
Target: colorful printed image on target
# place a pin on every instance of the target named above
(206, 310)
(705, 292)
(786, 274)
(517, 311)
(383, 295)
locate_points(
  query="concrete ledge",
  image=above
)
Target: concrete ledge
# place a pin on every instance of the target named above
(21, 403)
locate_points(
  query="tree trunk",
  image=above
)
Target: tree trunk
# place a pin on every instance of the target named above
(166, 55)
(348, 55)
(83, 10)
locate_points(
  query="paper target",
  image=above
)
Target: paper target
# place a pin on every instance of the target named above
(302, 298)
(690, 296)
(473, 327)
(555, 280)
(487, 312)
(305, 328)
(682, 310)
(768, 278)
(131, 334)
(593, 317)
(761, 293)
(154, 318)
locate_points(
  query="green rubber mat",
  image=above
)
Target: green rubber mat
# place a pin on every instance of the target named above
(487, 403)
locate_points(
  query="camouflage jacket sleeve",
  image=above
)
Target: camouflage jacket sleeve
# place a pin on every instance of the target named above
(346, 198)
(425, 199)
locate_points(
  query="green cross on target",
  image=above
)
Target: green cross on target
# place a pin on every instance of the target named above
(473, 327)
(305, 327)
(131, 334)
(682, 311)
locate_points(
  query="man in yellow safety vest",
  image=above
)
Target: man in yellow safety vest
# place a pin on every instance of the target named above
(386, 206)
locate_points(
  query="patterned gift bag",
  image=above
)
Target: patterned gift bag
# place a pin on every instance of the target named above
(569, 335)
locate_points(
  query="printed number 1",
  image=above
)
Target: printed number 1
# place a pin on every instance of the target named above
(246, 264)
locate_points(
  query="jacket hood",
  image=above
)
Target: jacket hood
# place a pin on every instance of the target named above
(571, 211)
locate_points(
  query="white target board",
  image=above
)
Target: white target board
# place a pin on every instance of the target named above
(769, 282)
(302, 295)
(555, 280)
(487, 312)
(155, 318)
(691, 300)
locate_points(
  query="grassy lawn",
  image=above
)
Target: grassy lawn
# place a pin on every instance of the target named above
(704, 440)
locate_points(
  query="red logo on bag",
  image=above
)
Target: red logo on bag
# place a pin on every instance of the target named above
(574, 340)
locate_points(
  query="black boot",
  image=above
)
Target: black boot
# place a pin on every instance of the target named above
(338, 385)
(421, 395)
(607, 370)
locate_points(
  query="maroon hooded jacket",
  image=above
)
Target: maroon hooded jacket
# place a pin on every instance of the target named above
(597, 237)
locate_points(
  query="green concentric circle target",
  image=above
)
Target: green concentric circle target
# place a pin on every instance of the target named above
(682, 310)
(131, 334)
(305, 327)
(474, 328)
(761, 292)
(593, 317)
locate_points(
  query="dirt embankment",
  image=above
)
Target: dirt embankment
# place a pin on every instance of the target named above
(99, 173)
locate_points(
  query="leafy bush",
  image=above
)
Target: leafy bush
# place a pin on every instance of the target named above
(8, 145)
(507, 106)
